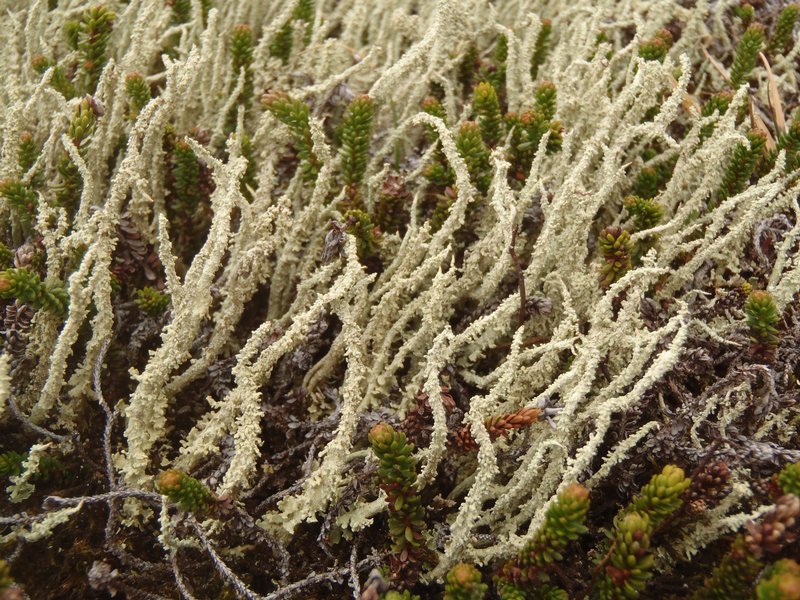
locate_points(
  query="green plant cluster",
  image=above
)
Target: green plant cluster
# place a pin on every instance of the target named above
(789, 141)
(11, 463)
(646, 214)
(302, 16)
(434, 108)
(21, 192)
(186, 175)
(59, 80)
(464, 583)
(745, 12)
(395, 595)
(81, 127)
(295, 114)
(630, 563)
(716, 105)
(359, 224)
(541, 47)
(356, 132)
(21, 197)
(624, 563)
(742, 164)
(242, 58)
(496, 75)
(241, 50)
(398, 476)
(182, 10)
(476, 154)
(781, 581)
(781, 39)
(734, 577)
(616, 249)
(652, 178)
(563, 523)
(747, 158)
(746, 55)
(27, 287)
(657, 47)
(5, 576)
(90, 37)
(528, 128)
(139, 93)
(28, 153)
(662, 495)
(48, 469)
(487, 107)
(474, 140)
(151, 301)
(185, 491)
(789, 479)
(6, 257)
(737, 572)
(762, 318)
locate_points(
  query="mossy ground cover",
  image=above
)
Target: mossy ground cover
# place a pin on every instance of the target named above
(395, 300)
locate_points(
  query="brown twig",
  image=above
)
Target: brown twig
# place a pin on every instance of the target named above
(596, 570)
(531, 341)
(564, 579)
(109, 422)
(27, 423)
(142, 495)
(182, 588)
(333, 575)
(224, 570)
(354, 582)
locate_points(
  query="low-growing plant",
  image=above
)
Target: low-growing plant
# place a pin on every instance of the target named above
(477, 301)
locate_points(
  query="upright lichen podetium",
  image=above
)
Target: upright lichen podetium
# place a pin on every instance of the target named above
(398, 473)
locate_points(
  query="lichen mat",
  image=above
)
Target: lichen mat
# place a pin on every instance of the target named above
(497, 299)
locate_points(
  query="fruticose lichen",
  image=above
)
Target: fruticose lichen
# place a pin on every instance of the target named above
(550, 243)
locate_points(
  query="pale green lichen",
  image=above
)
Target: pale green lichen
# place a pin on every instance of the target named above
(21, 487)
(273, 262)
